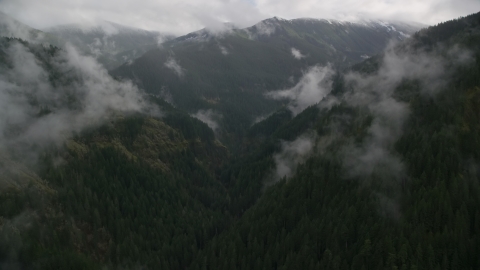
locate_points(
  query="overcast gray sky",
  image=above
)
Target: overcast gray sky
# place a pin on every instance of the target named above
(182, 16)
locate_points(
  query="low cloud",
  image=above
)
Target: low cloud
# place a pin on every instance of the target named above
(166, 95)
(93, 26)
(215, 27)
(297, 54)
(160, 40)
(172, 64)
(181, 17)
(375, 156)
(223, 50)
(100, 46)
(108, 28)
(292, 154)
(315, 84)
(36, 111)
(12, 28)
(376, 93)
(265, 28)
(260, 118)
(209, 117)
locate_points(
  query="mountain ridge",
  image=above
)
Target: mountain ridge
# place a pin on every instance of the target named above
(204, 70)
(12, 28)
(111, 43)
(371, 166)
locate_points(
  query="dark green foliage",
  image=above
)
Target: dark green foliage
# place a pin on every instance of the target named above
(126, 212)
(451, 31)
(320, 220)
(123, 46)
(234, 83)
(115, 204)
(150, 217)
(269, 125)
(190, 127)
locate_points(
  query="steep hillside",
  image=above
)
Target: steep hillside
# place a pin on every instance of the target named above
(389, 178)
(338, 41)
(111, 43)
(69, 133)
(9, 27)
(229, 72)
(373, 166)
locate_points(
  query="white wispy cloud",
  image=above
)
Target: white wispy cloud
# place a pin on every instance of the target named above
(297, 54)
(209, 117)
(89, 97)
(292, 154)
(172, 64)
(182, 16)
(315, 85)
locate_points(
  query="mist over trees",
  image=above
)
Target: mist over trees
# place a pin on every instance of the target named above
(281, 159)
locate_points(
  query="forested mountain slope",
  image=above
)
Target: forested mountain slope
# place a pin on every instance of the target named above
(111, 43)
(90, 166)
(371, 167)
(9, 27)
(391, 180)
(229, 72)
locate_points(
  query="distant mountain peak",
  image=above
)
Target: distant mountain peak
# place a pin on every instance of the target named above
(268, 26)
(100, 27)
(10, 27)
(276, 25)
(111, 43)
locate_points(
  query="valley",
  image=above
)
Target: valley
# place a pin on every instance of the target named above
(290, 144)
